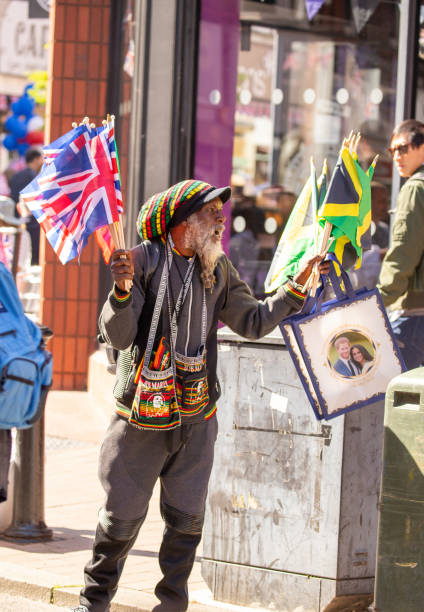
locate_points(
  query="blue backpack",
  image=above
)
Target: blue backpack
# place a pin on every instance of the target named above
(25, 365)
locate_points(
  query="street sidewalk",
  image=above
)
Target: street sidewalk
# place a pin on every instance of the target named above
(52, 571)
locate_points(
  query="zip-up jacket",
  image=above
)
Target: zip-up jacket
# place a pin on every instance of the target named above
(126, 318)
(401, 281)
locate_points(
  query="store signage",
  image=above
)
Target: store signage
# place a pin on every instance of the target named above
(22, 40)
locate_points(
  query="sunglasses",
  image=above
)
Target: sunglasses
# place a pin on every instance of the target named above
(401, 149)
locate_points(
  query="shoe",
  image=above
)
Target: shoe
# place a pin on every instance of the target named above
(80, 609)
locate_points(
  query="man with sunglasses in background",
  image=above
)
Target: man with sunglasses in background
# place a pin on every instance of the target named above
(401, 281)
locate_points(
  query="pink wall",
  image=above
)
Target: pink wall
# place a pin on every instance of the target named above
(216, 94)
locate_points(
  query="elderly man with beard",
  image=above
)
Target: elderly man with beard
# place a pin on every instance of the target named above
(165, 425)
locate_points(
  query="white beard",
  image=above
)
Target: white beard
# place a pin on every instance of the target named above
(206, 242)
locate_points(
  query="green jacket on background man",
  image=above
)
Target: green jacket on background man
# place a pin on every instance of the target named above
(401, 282)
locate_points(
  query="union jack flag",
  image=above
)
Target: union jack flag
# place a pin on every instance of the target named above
(53, 150)
(78, 192)
(105, 242)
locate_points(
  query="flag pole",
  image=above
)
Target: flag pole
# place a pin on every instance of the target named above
(314, 200)
(116, 228)
(325, 245)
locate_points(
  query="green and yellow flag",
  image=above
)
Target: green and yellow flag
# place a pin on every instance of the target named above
(347, 207)
(300, 232)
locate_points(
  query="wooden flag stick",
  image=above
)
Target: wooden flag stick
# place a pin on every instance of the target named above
(355, 144)
(114, 234)
(121, 231)
(308, 283)
(323, 251)
(116, 229)
(119, 241)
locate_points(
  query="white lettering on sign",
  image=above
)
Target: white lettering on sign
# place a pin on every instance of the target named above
(22, 41)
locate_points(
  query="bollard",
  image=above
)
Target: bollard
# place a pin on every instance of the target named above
(28, 496)
(28, 475)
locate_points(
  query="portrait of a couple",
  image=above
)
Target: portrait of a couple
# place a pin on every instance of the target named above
(354, 359)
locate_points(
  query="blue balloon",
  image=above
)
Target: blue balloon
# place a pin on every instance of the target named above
(23, 106)
(15, 126)
(22, 148)
(9, 142)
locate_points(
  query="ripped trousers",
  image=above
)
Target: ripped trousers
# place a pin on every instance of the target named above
(131, 461)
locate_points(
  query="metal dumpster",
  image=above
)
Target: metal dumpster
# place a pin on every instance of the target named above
(291, 520)
(400, 560)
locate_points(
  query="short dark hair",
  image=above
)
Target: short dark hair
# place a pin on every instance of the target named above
(367, 356)
(413, 129)
(32, 154)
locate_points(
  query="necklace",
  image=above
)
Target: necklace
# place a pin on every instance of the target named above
(185, 284)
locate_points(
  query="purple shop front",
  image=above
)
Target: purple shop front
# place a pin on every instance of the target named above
(216, 95)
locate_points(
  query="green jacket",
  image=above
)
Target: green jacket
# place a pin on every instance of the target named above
(401, 281)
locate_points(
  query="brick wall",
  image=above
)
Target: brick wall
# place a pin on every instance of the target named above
(79, 68)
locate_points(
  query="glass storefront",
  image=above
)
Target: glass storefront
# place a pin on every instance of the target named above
(301, 88)
(273, 90)
(125, 86)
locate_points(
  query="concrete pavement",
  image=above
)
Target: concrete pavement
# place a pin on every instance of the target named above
(52, 571)
(12, 603)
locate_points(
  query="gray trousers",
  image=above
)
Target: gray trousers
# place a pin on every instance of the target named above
(131, 461)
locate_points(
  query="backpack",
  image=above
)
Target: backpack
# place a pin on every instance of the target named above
(25, 364)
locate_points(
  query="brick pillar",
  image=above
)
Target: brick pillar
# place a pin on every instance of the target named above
(78, 70)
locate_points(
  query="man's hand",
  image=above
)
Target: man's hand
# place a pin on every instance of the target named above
(303, 274)
(121, 268)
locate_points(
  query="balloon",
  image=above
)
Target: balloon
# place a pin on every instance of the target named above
(15, 126)
(35, 124)
(23, 106)
(22, 148)
(9, 142)
(24, 126)
(35, 138)
(38, 88)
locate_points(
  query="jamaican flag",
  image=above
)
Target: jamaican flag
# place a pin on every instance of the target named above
(347, 207)
(300, 232)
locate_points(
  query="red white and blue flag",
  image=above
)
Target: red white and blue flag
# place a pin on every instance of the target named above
(78, 191)
(53, 150)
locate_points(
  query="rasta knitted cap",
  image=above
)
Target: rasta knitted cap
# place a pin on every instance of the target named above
(171, 207)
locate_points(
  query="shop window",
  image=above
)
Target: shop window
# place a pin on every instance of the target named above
(301, 88)
(125, 78)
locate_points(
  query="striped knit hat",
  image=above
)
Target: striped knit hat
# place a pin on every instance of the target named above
(169, 208)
